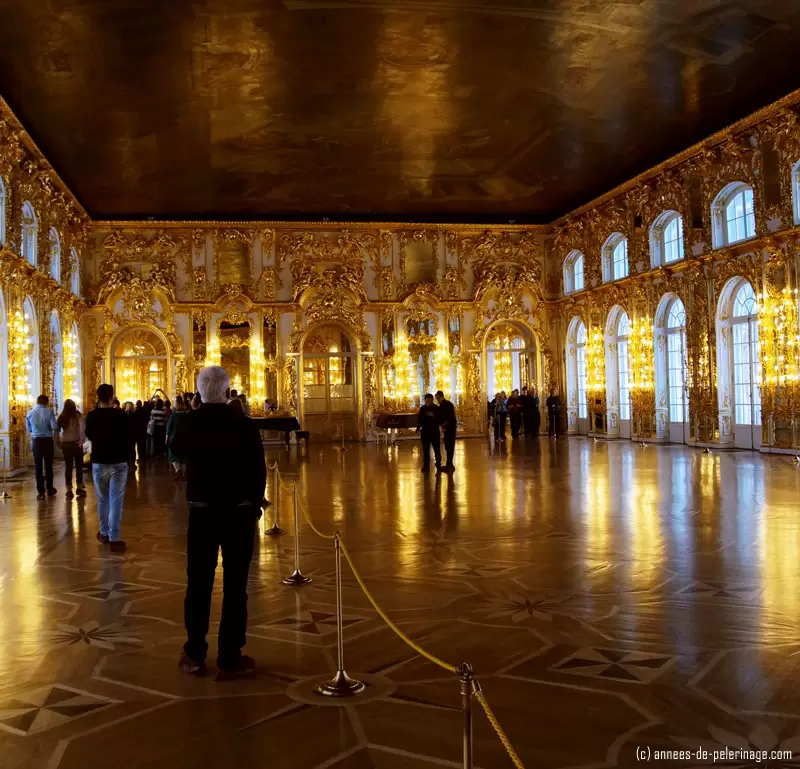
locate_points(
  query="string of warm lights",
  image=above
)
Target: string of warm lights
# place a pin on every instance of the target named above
(595, 364)
(780, 352)
(21, 344)
(71, 367)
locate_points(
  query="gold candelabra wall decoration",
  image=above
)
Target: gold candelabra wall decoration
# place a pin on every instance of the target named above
(642, 378)
(20, 358)
(779, 337)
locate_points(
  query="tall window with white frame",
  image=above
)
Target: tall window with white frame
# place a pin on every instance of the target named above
(615, 257)
(75, 272)
(666, 239)
(623, 369)
(55, 255)
(733, 215)
(29, 234)
(3, 200)
(573, 272)
(580, 360)
(620, 259)
(746, 360)
(676, 361)
(796, 191)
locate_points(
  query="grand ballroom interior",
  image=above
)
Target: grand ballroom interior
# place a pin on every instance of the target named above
(348, 204)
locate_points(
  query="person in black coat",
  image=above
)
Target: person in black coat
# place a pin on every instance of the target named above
(530, 411)
(428, 428)
(226, 475)
(553, 412)
(449, 423)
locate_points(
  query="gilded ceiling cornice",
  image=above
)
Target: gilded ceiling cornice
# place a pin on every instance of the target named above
(752, 120)
(7, 114)
(159, 224)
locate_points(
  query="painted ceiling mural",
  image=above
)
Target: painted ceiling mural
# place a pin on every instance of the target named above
(380, 109)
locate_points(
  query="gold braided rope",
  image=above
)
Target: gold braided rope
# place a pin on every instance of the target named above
(311, 523)
(385, 618)
(400, 634)
(512, 754)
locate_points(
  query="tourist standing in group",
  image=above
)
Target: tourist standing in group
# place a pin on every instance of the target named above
(140, 420)
(226, 477)
(71, 438)
(531, 418)
(514, 408)
(41, 424)
(178, 463)
(553, 412)
(243, 401)
(157, 427)
(428, 428)
(107, 429)
(449, 423)
(500, 414)
(130, 414)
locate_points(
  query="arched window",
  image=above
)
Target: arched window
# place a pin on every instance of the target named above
(580, 358)
(733, 215)
(666, 239)
(5, 384)
(2, 212)
(29, 234)
(58, 361)
(34, 372)
(672, 408)
(577, 408)
(615, 257)
(796, 191)
(75, 272)
(739, 363)
(623, 368)
(55, 255)
(573, 272)
(746, 360)
(676, 362)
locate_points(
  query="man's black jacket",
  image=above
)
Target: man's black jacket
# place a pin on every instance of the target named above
(224, 456)
(447, 416)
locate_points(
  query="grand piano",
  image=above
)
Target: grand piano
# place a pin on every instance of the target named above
(286, 425)
(397, 421)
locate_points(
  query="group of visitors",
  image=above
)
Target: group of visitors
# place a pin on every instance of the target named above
(437, 418)
(218, 449)
(521, 408)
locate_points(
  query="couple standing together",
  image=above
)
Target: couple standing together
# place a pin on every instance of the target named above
(431, 418)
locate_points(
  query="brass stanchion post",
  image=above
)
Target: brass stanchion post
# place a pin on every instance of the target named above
(467, 690)
(4, 494)
(341, 685)
(296, 577)
(275, 530)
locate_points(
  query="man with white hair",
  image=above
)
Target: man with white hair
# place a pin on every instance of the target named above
(226, 475)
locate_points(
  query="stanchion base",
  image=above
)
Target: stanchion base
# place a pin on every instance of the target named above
(5, 495)
(296, 578)
(274, 531)
(341, 685)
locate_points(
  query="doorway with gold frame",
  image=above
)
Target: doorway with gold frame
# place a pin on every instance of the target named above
(329, 384)
(139, 364)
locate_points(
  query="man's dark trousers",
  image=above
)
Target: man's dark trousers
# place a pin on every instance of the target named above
(233, 529)
(450, 447)
(43, 449)
(427, 442)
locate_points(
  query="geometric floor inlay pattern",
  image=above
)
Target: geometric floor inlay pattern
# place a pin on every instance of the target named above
(110, 591)
(45, 708)
(312, 622)
(633, 666)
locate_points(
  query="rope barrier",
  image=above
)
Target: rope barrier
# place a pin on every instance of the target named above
(477, 692)
(416, 647)
(311, 523)
(512, 754)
